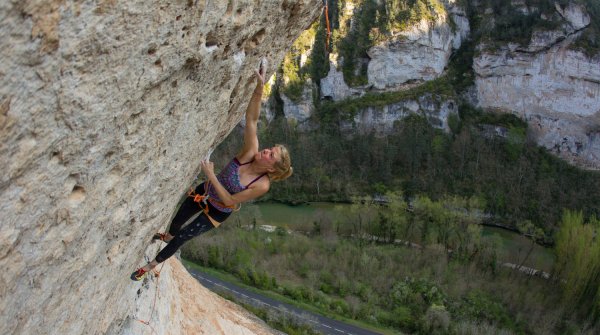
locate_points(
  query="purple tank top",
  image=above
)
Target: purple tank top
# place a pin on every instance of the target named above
(229, 177)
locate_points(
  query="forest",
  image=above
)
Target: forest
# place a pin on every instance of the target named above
(449, 279)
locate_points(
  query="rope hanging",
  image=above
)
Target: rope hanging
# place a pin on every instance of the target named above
(147, 323)
(326, 10)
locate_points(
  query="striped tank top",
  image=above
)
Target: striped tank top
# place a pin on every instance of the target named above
(229, 177)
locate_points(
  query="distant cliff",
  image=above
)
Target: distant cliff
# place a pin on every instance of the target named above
(554, 87)
(106, 109)
(537, 59)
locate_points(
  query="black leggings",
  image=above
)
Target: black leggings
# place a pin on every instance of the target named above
(199, 225)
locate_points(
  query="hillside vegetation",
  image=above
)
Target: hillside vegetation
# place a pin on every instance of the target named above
(416, 157)
(338, 268)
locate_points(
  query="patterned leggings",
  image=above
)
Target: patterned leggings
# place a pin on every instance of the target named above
(199, 225)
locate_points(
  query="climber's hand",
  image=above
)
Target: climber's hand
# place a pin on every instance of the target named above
(261, 73)
(208, 168)
(260, 78)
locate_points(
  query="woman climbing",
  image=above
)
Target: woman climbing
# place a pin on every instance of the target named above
(236, 183)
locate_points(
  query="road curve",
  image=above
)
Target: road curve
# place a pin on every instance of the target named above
(318, 322)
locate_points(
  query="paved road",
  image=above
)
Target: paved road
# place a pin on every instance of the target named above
(318, 322)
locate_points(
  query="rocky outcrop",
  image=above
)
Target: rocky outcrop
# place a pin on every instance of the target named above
(434, 108)
(177, 304)
(106, 109)
(333, 87)
(462, 28)
(301, 109)
(418, 54)
(556, 89)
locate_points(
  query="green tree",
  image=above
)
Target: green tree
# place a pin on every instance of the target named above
(578, 262)
(396, 213)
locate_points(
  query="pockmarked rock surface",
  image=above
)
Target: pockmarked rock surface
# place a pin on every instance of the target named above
(106, 110)
(555, 88)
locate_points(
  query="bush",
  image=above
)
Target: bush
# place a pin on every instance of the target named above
(478, 305)
(404, 318)
(417, 293)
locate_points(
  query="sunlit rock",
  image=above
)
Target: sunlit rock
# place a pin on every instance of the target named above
(417, 54)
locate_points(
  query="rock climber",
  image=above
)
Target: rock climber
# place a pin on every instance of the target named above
(248, 176)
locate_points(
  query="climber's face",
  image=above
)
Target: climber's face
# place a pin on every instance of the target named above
(268, 156)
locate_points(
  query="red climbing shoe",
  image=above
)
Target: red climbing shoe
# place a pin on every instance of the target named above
(138, 274)
(160, 236)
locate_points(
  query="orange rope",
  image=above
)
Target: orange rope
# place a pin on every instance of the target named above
(326, 9)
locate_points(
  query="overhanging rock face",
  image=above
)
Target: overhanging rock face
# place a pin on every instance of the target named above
(106, 109)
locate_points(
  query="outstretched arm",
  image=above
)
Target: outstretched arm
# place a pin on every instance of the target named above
(252, 114)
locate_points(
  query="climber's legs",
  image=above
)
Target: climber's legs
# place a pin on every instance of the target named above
(187, 209)
(198, 226)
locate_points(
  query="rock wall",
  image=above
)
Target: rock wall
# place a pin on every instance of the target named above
(301, 110)
(333, 86)
(556, 89)
(434, 108)
(106, 109)
(419, 53)
(176, 303)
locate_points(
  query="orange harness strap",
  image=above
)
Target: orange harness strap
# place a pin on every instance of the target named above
(203, 198)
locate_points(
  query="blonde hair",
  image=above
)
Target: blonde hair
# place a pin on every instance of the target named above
(283, 167)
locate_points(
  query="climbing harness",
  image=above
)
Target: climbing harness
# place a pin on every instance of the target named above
(326, 10)
(204, 198)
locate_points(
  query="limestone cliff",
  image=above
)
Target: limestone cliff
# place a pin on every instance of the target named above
(534, 70)
(403, 59)
(555, 88)
(106, 109)
(436, 109)
(418, 53)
